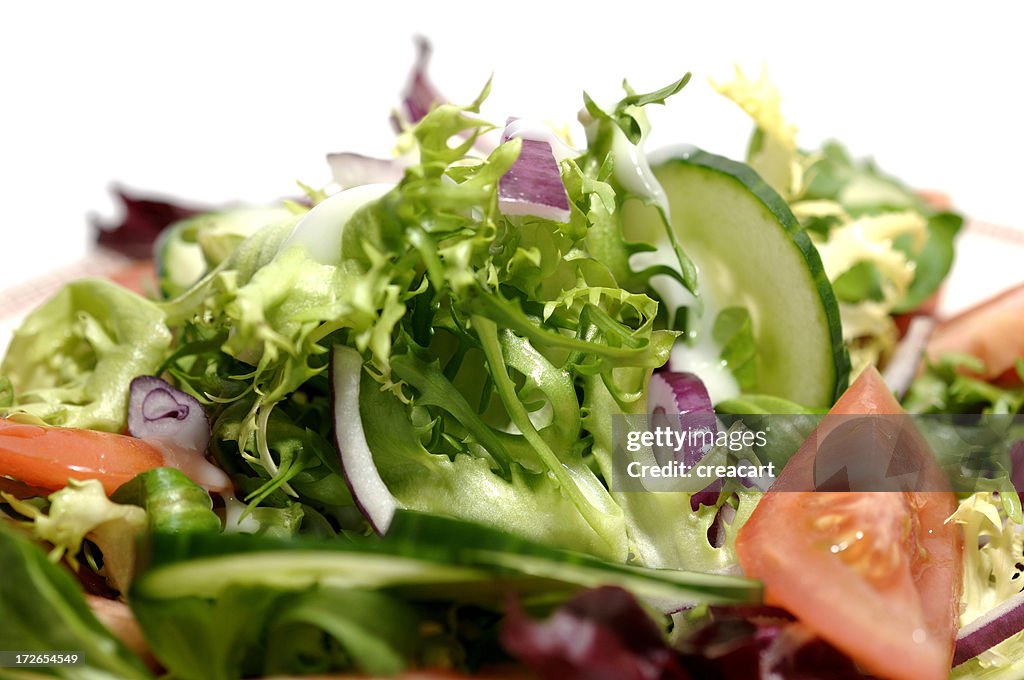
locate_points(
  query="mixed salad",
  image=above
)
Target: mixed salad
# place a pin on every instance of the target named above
(372, 429)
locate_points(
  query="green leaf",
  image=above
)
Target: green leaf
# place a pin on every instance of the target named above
(6, 392)
(377, 632)
(654, 542)
(860, 282)
(423, 557)
(944, 388)
(257, 630)
(734, 333)
(200, 639)
(655, 97)
(43, 610)
(82, 509)
(464, 485)
(624, 116)
(72, 359)
(932, 262)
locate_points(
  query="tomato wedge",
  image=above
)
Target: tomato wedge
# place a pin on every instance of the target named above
(877, 574)
(993, 331)
(46, 457)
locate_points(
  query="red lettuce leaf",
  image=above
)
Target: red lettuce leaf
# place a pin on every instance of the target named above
(419, 94)
(604, 634)
(742, 643)
(144, 218)
(601, 634)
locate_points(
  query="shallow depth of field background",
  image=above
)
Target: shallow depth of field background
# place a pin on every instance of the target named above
(232, 101)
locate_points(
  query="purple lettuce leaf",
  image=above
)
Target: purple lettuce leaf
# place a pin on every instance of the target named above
(144, 218)
(601, 634)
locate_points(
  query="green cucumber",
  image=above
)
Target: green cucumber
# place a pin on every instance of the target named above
(179, 252)
(423, 556)
(751, 252)
(172, 501)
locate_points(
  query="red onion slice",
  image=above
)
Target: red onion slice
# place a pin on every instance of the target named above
(533, 185)
(156, 409)
(177, 425)
(990, 629)
(369, 492)
(683, 399)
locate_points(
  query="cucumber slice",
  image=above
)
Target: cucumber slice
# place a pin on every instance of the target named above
(751, 252)
(423, 556)
(179, 256)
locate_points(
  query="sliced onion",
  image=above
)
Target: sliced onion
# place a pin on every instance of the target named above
(990, 629)
(902, 367)
(533, 185)
(684, 398)
(683, 395)
(720, 525)
(355, 170)
(176, 424)
(369, 492)
(156, 409)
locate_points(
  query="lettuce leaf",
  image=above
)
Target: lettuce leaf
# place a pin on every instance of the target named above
(72, 359)
(80, 510)
(943, 388)
(773, 150)
(43, 610)
(993, 541)
(480, 334)
(859, 189)
(250, 631)
(681, 544)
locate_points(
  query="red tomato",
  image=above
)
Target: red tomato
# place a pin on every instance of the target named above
(993, 331)
(46, 457)
(877, 574)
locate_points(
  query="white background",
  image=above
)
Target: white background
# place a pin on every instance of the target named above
(219, 101)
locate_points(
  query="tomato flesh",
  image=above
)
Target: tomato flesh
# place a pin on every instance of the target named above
(877, 574)
(993, 331)
(46, 457)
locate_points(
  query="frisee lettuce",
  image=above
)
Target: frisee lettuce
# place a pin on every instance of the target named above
(943, 387)
(80, 510)
(481, 336)
(993, 545)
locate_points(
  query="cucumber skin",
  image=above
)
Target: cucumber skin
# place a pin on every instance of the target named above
(432, 540)
(748, 178)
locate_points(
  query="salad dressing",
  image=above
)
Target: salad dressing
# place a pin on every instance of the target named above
(696, 351)
(193, 464)
(633, 171)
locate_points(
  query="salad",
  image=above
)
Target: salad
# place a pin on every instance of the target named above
(378, 427)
